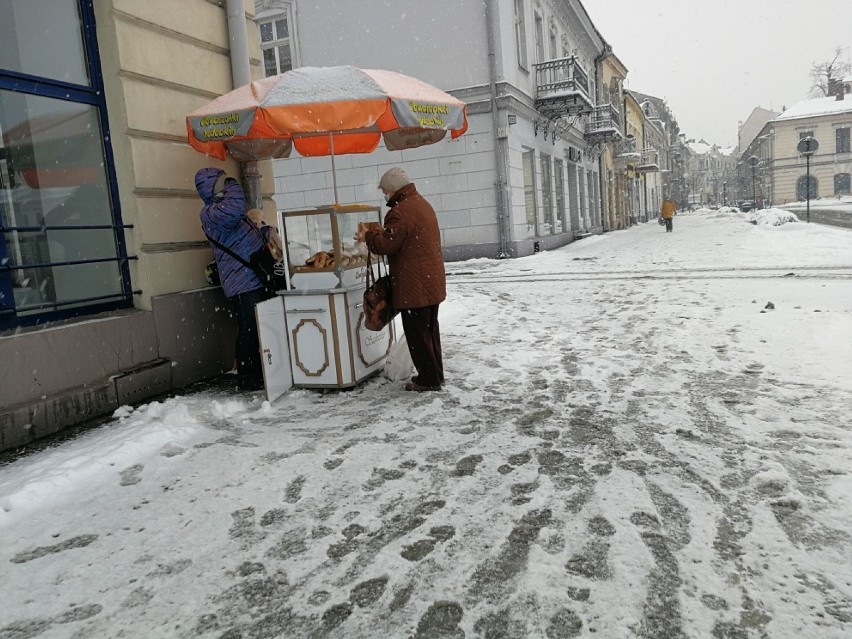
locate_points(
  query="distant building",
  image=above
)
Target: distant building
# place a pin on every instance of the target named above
(750, 129)
(782, 173)
(745, 182)
(606, 130)
(662, 135)
(711, 173)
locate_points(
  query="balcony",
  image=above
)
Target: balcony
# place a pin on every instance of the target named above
(562, 88)
(648, 161)
(603, 125)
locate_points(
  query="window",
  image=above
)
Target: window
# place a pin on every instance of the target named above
(802, 188)
(594, 200)
(529, 192)
(521, 34)
(44, 41)
(584, 203)
(539, 38)
(277, 42)
(546, 194)
(805, 134)
(61, 239)
(559, 183)
(553, 39)
(842, 183)
(842, 137)
(573, 196)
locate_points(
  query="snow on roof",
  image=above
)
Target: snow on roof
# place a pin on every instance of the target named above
(699, 148)
(818, 106)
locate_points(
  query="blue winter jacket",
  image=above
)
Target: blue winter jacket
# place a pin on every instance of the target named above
(223, 219)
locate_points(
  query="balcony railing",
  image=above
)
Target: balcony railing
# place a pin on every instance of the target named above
(648, 161)
(562, 87)
(603, 124)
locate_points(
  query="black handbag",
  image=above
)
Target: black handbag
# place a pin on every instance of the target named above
(268, 269)
(211, 272)
(378, 299)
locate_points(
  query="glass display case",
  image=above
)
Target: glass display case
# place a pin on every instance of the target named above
(312, 334)
(320, 250)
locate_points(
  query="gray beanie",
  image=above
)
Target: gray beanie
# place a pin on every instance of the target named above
(394, 179)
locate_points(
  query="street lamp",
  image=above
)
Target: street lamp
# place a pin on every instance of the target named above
(807, 147)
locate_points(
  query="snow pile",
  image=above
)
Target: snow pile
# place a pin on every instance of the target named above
(728, 212)
(772, 217)
(774, 478)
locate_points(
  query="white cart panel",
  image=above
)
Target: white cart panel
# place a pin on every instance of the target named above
(274, 347)
(311, 333)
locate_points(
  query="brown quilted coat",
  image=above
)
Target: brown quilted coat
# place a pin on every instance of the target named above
(412, 241)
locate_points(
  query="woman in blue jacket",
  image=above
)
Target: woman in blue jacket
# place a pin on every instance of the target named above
(223, 220)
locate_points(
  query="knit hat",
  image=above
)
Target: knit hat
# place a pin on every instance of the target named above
(394, 179)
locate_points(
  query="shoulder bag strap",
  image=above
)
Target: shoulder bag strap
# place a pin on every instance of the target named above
(227, 250)
(369, 277)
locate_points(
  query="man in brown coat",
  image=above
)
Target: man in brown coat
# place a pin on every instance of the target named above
(412, 241)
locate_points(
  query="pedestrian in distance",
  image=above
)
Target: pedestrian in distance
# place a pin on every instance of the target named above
(667, 211)
(411, 239)
(224, 221)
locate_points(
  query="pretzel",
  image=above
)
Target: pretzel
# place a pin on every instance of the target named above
(323, 259)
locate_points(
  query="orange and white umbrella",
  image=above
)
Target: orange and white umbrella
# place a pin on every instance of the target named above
(325, 111)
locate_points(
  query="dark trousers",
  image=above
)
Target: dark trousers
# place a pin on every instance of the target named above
(423, 335)
(247, 347)
(668, 221)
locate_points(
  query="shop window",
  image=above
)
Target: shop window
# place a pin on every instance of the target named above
(529, 191)
(61, 239)
(842, 184)
(546, 194)
(573, 196)
(559, 184)
(842, 138)
(44, 39)
(521, 34)
(277, 42)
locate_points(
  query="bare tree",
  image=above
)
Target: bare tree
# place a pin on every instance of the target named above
(823, 73)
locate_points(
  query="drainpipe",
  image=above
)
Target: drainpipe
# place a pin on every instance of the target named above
(240, 76)
(499, 145)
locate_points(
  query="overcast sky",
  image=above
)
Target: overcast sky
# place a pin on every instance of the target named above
(715, 60)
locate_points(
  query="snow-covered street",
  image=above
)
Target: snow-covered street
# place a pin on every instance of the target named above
(642, 434)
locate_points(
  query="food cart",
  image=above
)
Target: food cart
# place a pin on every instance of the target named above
(312, 334)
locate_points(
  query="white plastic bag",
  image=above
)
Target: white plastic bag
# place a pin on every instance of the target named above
(398, 365)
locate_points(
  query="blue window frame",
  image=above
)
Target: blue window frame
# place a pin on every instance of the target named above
(62, 248)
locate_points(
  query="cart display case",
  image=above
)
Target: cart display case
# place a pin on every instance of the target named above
(320, 312)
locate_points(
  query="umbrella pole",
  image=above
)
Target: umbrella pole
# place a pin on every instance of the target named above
(333, 168)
